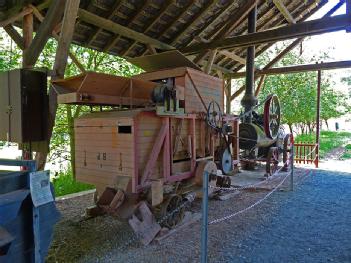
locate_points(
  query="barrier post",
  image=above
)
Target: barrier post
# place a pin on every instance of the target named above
(204, 227)
(292, 167)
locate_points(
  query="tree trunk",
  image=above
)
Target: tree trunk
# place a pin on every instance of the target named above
(326, 123)
(290, 128)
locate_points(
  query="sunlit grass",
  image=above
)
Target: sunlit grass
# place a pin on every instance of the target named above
(329, 140)
(64, 184)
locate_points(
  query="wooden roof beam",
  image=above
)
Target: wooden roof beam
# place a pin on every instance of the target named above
(296, 69)
(285, 12)
(108, 25)
(163, 10)
(232, 23)
(303, 29)
(111, 13)
(116, 37)
(14, 18)
(233, 56)
(204, 10)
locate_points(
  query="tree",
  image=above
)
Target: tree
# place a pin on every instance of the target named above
(298, 93)
(62, 141)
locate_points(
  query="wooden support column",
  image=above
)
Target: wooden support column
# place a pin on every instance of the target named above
(211, 58)
(260, 84)
(27, 36)
(319, 81)
(228, 88)
(44, 31)
(67, 29)
(348, 12)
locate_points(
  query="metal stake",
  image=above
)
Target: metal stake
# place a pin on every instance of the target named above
(292, 167)
(204, 227)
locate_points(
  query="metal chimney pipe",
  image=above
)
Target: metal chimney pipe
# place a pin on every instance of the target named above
(249, 100)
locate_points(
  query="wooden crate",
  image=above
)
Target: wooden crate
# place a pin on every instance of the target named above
(209, 87)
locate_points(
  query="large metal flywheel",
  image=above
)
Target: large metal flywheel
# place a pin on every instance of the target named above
(271, 117)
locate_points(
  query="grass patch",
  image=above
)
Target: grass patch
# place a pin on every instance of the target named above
(64, 184)
(329, 140)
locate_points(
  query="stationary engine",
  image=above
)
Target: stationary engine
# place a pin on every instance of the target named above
(263, 139)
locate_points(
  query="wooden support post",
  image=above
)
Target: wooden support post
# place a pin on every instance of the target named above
(51, 19)
(211, 58)
(260, 84)
(27, 30)
(319, 82)
(16, 37)
(348, 12)
(70, 15)
(228, 88)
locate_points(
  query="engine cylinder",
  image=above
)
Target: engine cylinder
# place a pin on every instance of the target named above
(251, 135)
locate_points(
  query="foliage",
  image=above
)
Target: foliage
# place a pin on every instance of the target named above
(298, 93)
(64, 184)
(329, 140)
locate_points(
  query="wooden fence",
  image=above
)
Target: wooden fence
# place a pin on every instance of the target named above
(306, 153)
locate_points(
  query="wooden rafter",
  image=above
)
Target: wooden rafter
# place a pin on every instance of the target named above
(286, 50)
(282, 8)
(296, 69)
(153, 22)
(309, 28)
(176, 19)
(300, 14)
(108, 25)
(232, 56)
(109, 16)
(225, 10)
(131, 20)
(229, 26)
(194, 20)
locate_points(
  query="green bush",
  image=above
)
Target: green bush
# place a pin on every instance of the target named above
(64, 184)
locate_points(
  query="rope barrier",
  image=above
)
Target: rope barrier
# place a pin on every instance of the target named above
(256, 203)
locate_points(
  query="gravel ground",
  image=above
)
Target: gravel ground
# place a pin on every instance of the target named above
(307, 225)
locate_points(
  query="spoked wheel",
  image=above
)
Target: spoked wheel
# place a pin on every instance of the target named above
(271, 117)
(288, 141)
(272, 161)
(172, 213)
(214, 115)
(225, 160)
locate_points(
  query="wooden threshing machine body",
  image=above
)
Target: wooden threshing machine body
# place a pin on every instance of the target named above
(129, 149)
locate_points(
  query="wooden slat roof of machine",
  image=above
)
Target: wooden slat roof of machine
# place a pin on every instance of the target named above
(129, 28)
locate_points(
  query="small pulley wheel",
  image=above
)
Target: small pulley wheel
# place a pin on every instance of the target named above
(271, 117)
(225, 160)
(214, 115)
(272, 161)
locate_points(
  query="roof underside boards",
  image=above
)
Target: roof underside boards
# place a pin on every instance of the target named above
(179, 23)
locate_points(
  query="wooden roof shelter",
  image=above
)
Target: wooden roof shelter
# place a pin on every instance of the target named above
(219, 36)
(141, 27)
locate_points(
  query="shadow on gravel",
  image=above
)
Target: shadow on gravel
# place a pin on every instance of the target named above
(312, 224)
